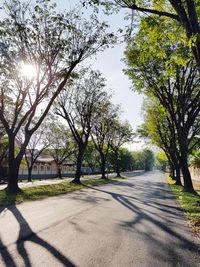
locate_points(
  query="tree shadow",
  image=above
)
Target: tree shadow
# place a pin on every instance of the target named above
(7, 258)
(27, 234)
(163, 222)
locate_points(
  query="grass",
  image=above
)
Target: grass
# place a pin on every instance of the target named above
(44, 191)
(190, 203)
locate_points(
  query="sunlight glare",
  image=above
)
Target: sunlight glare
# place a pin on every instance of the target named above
(27, 70)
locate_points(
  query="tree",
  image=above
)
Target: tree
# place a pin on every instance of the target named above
(174, 82)
(162, 131)
(62, 145)
(121, 134)
(77, 105)
(184, 13)
(143, 159)
(137, 158)
(195, 158)
(102, 132)
(161, 160)
(36, 146)
(39, 50)
(3, 156)
(91, 156)
(148, 159)
(125, 160)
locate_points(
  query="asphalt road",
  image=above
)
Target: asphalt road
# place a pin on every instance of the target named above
(135, 222)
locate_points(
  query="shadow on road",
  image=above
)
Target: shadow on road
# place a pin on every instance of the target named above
(153, 214)
(26, 234)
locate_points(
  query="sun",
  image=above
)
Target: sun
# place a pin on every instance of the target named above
(27, 70)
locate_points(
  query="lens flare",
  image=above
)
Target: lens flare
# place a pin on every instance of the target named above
(27, 70)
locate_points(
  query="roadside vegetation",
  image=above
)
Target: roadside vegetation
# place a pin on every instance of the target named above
(189, 202)
(140, 160)
(44, 191)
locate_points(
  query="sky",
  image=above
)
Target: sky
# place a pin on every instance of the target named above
(110, 64)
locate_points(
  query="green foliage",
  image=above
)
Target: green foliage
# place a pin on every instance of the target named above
(183, 14)
(36, 192)
(4, 152)
(143, 160)
(148, 159)
(189, 203)
(161, 160)
(161, 44)
(91, 156)
(121, 133)
(161, 65)
(154, 121)
(125, 160)
(195, 159)
(142, 131)
(44, 191)
(137, 157)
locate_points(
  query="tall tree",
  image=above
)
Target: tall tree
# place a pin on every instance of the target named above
(162, 131)
(91, 157)
(122, 133)
(102, 132)
(148, 159)
(161, 160)
(3, 157)
(173, 81)
(77, 105)
(39, 50)
(125, 160)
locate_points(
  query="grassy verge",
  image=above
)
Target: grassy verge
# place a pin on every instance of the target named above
(190, 203)
(43, 191)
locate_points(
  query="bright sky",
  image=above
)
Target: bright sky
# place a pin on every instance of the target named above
(110, 64)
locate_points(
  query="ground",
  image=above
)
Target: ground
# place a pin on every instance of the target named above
(134, 222)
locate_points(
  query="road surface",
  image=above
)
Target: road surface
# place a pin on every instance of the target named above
(134, 222)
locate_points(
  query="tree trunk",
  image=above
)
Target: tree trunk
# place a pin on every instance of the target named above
(178, 174)
(13, 168)
(172, 171)
(30, 173)
(118, 169)
(1, 172)
(103, 167)
(188, 186)
(183, 141)
(78, 166)
(59, 172)
(92, 169)
(117, 163)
